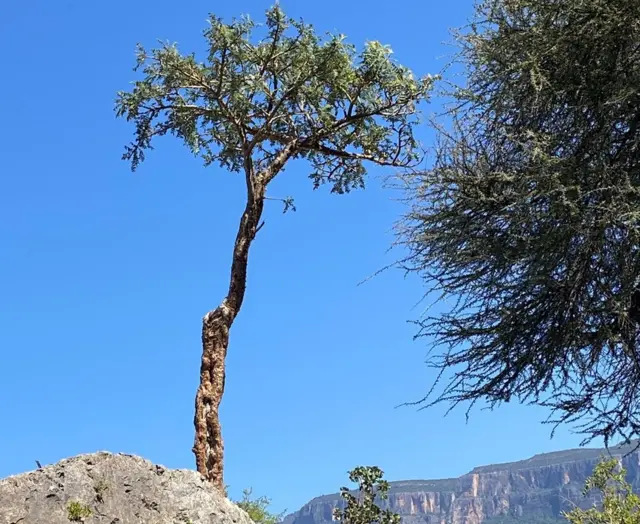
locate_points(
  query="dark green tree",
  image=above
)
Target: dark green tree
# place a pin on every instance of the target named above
(361, 508)
(257, 102)
(527, 223)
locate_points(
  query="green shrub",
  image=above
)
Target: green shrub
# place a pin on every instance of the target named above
(362, 509)
(257, 508)
(76, 511)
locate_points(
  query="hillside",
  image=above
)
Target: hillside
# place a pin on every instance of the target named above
(536, 490)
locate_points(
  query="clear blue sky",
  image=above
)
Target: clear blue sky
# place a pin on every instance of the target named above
(105, 275)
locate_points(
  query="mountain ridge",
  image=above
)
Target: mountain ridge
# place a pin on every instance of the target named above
(533, 490)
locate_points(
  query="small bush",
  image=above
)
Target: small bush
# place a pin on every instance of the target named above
(257, 508)
(362, 509)
(77, 511)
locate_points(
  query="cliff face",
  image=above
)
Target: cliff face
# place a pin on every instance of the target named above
(533, 490)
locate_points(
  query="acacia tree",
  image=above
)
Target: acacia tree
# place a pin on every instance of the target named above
(528, 221)
(252, 106)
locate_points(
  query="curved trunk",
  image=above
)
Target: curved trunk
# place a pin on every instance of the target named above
(208, 446)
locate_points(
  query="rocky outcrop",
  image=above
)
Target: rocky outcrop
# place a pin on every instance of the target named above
(533, 490)
(113, 489)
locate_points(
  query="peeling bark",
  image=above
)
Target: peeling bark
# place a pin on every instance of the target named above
(208, 445)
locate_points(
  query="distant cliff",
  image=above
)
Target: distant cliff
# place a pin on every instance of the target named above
(530, 491)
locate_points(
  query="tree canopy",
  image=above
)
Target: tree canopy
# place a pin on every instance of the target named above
(527, 223)
(291, 91)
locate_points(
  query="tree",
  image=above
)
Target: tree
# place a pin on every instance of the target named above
(362, 509)
(619, 504)
(252, 107)
(257, 509)
(528, 220)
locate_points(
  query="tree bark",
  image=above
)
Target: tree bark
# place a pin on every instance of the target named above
(209, 446)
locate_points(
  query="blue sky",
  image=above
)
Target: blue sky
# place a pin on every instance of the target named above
(105, 275)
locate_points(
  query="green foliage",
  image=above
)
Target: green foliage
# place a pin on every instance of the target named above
(288, 93)
(529, 220)
(257, 508)
(76, 511)
(362, 509)
(619, 504)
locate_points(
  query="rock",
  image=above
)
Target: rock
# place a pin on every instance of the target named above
(111, 488)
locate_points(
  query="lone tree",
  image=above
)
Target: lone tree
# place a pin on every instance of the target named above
(253, 106)
(362, 508)
(529, 218)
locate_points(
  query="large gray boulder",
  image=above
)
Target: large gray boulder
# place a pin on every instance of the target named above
(110, 488)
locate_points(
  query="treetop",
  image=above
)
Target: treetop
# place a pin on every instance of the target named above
(255, 103)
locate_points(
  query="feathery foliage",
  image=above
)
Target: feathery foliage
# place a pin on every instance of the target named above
(528, 221)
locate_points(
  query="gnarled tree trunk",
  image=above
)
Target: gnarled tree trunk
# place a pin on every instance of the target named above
(208, 446)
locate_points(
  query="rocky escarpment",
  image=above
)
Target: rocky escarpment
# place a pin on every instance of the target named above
(534, 490)
(113, 489)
